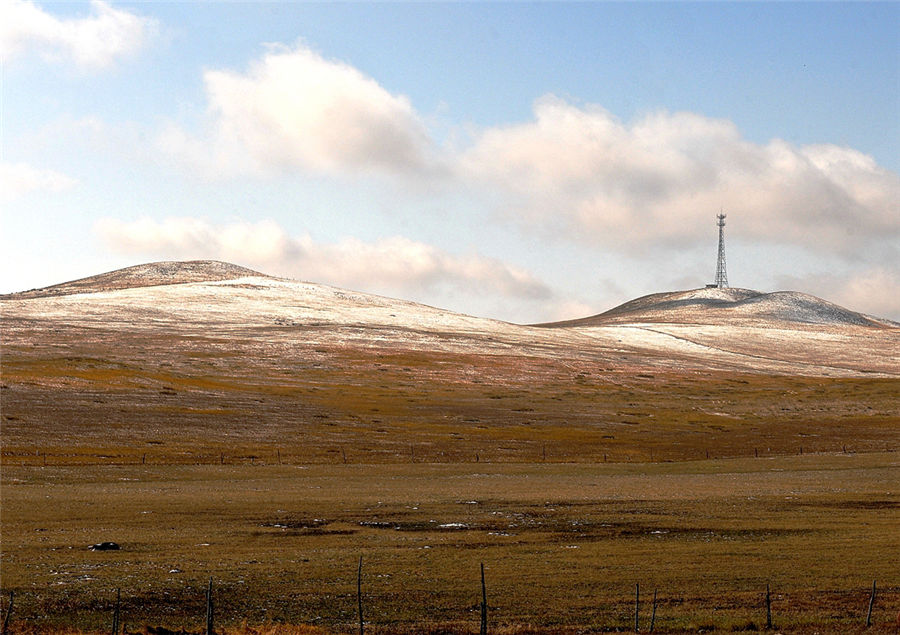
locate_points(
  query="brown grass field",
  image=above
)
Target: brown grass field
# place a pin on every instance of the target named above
(570, 479)
(563, 544)
(201, 400)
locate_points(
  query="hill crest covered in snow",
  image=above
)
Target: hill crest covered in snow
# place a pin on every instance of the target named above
(145, 275)
(713, 305)
(701, 330)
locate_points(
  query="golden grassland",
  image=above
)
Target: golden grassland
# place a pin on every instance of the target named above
(570, 479)
(563, 544)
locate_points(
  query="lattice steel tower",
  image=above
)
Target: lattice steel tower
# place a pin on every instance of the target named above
(721, 276)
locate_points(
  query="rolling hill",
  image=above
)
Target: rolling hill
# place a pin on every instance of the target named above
(198, 358)
(734, 329)
(730, 306)
(145, 275)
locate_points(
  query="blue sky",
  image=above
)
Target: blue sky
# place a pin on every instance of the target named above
(520, 161)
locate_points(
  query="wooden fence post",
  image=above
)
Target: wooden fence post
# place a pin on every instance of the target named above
(653, 614)
(209, 609)
(9, 609)
(768, 608)
(359, 594)
(483, 603)
(871, 604)
(637, 605)
(115, 622)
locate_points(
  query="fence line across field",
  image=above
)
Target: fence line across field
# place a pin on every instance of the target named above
(119, 626)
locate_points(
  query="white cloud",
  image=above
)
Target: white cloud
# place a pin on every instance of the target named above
(294, 109)
(574, 173)
(91, 42)
(394, 266)
(18, 179)
(581, 173)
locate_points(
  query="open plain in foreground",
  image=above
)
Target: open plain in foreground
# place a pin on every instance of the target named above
(267, 433)
(563, 544)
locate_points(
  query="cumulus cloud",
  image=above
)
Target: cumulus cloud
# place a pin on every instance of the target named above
(18, 179)
(574, 172)
(293, 109)
(394, 265)
(581, 173)
(91, 42)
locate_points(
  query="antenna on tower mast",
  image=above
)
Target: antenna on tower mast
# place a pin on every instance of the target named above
(721, 276)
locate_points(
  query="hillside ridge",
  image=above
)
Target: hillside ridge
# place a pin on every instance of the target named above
(709, 305)
(719, 306)
(704, 329)
(145, 275)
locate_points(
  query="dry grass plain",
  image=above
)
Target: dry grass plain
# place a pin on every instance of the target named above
(185, 399)
(563, 544)
(270, 457)
(584, 483)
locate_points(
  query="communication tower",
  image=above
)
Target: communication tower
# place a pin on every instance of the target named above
(721, 276)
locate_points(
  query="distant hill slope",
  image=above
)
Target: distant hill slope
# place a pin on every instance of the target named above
(146, 275)
(217, 305)
(721, 306)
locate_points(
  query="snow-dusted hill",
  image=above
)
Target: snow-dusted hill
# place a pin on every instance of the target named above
(724, 306)
(706, 329)
(224, 296)
(146, 275)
